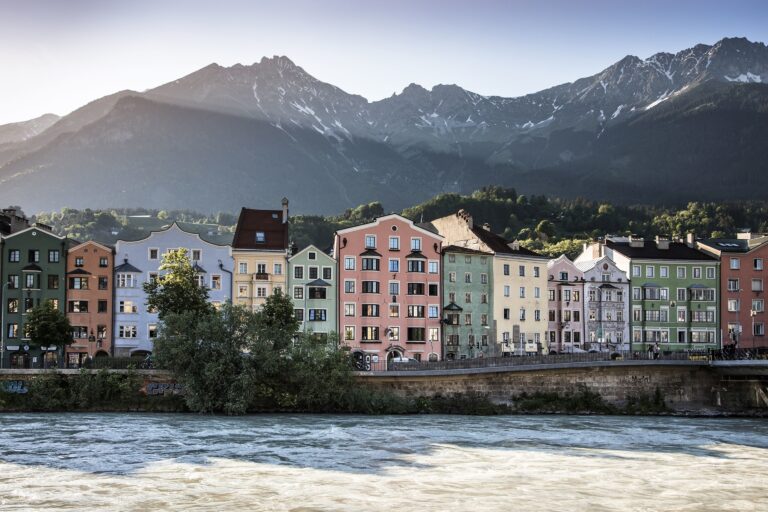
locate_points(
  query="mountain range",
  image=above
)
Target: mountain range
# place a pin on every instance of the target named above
(666, 129)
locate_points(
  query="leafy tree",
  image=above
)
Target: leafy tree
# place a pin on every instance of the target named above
(176, 290)
(276, 323)
(48, 326)
(545, 229)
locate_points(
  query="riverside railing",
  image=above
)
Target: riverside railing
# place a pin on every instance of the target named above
(534, 360)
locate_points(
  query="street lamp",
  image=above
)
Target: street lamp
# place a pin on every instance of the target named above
(753, 314)
(3, 332)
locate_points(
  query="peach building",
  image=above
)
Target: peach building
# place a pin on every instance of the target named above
(389, 290)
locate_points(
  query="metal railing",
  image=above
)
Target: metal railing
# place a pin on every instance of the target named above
(729, 353)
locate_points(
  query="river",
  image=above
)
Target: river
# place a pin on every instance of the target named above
(388, 463)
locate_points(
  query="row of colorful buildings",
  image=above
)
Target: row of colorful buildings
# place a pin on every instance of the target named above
(392, 288)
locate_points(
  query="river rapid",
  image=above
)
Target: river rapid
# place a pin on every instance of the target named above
(388, 463)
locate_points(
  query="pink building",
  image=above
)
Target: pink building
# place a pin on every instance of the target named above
(389, 290)
(566, 306)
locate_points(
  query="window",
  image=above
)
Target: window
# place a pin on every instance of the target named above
(317, 315)
(349, 286)
(522, 292)
(522, 314)
(433, 289)
(371, 264)
(30, 281)
(681, 272)
(415, 311)
(484, 319)
(416, 266)
(103, 282)
(242, 290)
(452, 318)
(506, 290)
(126, 331)
(127, 306)
(394, 334)
(29, 304)
(536, 272)
(215, 282)
(349, 309)
(370, 333)
(664, 272)
(370, 287)
(757, 264)
(451, 258)
(733, 285)
(758, 329)
(567, 315)
(298, 314)
(650, 271)
(702, 294)
(78, 283)
(327, 273)
(394, 310)
(506, 313)
(682, 315)
(467, 277)
(433, 312)
(152, 331)
(521, 270)
(416, 334)
(78, 306)
(13, 305)
(735, 263)
(563, 276)
(758, 305)
(298, 272)
(416, 244)
(606, 278)
(682, 294)
(154, 253)
(277, 269)
(710, 272)
(697, 272)
(261, 292)
(703, 316)
(394, 265)
(506, 269)
(394, 288)
(53, 282)
(102, 306)
(415, 288)
(53, 256)
(467, 259)
(313, 273)
(757, 285)
(197, 255)
(349, 263)
(101, 332)
(451, 277)
(33, 255)
(242, 267)
(468, 297)
(433, 267)
(79, 262)
(635, 270)
(537, 315)
(370, 241)
(261, 237)
(370, 310)
(14, 255)
(483, 298)
(483, 278)
(349, 332)
(298, 292)
(394, 243)
(103, 262)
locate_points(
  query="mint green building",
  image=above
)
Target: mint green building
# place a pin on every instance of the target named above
(34, 263)
(674, 293)
(312, 285)
(468, 326)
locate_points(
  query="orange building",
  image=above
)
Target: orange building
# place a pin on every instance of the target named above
(90, 270)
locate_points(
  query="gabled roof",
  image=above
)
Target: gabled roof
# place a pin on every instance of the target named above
(32, 268)
(176, 226)
(370, 252)
(651, 251)
(452, 307)
(127, 267)
(197, 268)
(427, 228)
(499, 245)
(35, 228)
(91, 242)
(319, 282)
(270, 222)
(314, 248)
(79, 272)
(416, 255)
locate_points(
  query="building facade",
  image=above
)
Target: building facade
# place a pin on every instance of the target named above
(468, 304)
(674, 292)
(606, 305)
(90, 277)
(742, 287)
(138, 262)
(312, 285)
(34, 263)
(260, 252)
(565, 297)
(519, 284)
(389, 290)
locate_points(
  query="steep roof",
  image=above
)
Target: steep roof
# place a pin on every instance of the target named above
(734, 245)
(464, 250)
(651, 251)
(269, 222)
(499, 245)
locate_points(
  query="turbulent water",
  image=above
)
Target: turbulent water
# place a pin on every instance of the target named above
(440, 463)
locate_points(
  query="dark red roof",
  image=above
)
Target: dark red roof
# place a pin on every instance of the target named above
(269, 222)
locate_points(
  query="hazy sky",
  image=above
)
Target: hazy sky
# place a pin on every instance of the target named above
(56, 55)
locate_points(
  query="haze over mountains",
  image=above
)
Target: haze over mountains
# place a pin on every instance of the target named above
(666, 129)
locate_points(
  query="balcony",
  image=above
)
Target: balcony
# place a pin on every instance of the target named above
(261, 276)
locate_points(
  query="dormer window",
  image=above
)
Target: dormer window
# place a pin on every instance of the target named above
(261, 237)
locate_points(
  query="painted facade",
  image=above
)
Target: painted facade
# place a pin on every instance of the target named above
(260, 252)
(565, 296)
(674, 297)
(33, 271)
(468, 304)
(742, 287)
(90, 277)
(606, 305)
(312, 285)
(139, 261)
(519, 284)
(389, 289)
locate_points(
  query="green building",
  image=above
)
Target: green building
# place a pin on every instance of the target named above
(33, 270)
(674, 293)
(312, 284)
(468, 326)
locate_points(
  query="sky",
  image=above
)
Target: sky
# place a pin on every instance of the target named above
(57, 55)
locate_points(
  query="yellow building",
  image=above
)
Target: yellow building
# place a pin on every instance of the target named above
(259, 250)
(518, 282)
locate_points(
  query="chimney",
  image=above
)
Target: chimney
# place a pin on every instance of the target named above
(745, 235)
(690, 239)
(486, 226)
(466, 217)
(285, 210)
(661, 243)
(636, 242)
(515, 246)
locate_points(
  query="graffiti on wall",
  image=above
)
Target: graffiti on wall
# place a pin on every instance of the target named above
(163, 389)
(15, 386)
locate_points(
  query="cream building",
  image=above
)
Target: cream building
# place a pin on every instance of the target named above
(259, 250)
(519, 284)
